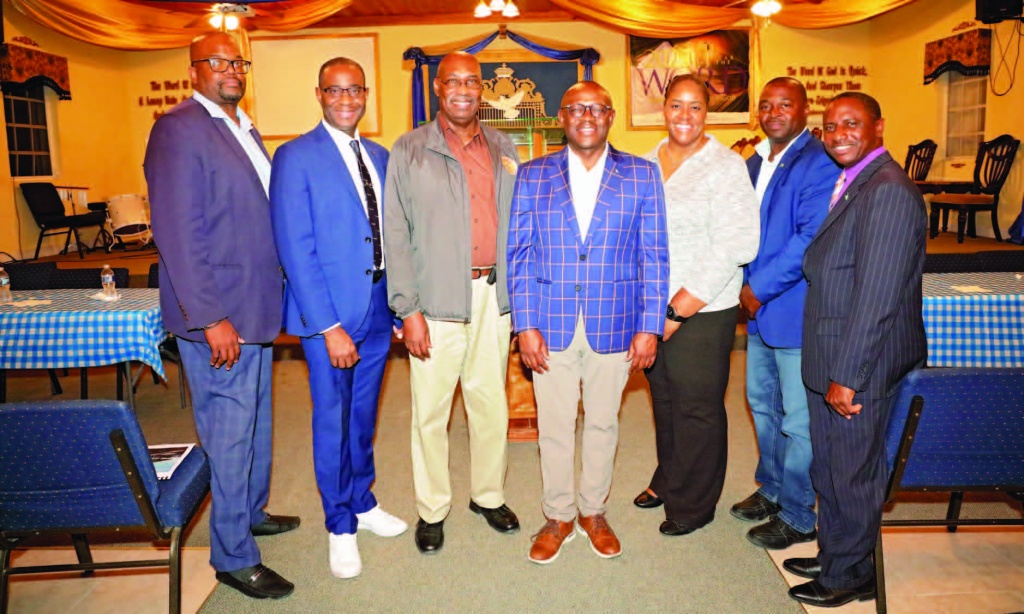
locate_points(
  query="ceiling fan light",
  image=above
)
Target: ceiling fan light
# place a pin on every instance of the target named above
(481, 10)
(216, 19)
(766, 8)
(231, 22)
(510, 10)
(497, 6)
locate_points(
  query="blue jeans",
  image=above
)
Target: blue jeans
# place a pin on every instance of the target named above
(778, 401)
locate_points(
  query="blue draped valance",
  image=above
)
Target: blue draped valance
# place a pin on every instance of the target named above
(586, 57)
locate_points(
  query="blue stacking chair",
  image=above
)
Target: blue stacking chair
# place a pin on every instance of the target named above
(81, 467)
(956, 431)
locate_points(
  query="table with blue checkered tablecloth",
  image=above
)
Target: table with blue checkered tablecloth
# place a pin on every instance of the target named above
(75, 330)
(974, 319)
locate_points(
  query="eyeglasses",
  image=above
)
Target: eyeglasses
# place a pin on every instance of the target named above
(221, 65)
(336, 91)
(579, 110)
(470, 83)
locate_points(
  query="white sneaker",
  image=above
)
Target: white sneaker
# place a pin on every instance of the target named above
(379, 522)
(345, 561)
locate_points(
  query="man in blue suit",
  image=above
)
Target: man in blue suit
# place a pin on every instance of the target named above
(326, 200)
(220, 294)
(793, 178)
(863, 332)
(588, 282)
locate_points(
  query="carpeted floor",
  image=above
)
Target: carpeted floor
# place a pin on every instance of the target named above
(479, 570)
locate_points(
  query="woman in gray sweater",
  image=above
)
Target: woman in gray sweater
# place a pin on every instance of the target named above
(713, 230)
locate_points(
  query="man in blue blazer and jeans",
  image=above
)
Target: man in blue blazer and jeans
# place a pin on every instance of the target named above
(220, 294)
(793, 178)
(326, 203)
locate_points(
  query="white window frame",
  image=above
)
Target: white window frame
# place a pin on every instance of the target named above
(952, 80)
(50, 100)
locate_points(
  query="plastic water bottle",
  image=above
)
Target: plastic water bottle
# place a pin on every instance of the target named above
(5, 288)
(107, 277)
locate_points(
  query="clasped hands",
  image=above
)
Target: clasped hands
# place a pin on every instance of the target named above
(533, 350)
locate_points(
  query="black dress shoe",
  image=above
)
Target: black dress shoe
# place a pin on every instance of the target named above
(673, 528)
(805, 568)
(429, 536)
(501, 519)
(755, 508)
(777, 535)
(646, 500)
(272, 525)
(258, 582)
(813, 593)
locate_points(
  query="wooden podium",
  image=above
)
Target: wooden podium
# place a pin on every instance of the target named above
(522, 408)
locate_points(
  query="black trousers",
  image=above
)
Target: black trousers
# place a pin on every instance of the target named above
(849, 473)
(688, 381)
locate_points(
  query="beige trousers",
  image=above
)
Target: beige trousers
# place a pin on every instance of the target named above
(603, 378)
(477, 354)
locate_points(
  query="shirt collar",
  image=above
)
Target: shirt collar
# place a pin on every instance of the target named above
(764, 148)
(855, 170)
(574, 160)
(446, 127)
(340, 137)
(217, 112)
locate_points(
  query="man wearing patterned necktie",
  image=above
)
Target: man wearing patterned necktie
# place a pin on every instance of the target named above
(326, 198)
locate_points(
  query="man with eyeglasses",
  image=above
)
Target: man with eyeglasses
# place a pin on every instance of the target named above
(220, 294)
(588, 282)
(449, 186)
(325, 201)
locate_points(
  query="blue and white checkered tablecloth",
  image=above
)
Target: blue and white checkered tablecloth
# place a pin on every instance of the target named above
(974, 319)
(75, 330)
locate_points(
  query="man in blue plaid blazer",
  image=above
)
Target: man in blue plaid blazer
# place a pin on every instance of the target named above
(588, 283)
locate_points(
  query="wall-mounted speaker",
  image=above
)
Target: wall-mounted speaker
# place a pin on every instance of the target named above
(994, 11)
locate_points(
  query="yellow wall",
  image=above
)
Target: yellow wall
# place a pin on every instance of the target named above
(103, 130)
(914, 111)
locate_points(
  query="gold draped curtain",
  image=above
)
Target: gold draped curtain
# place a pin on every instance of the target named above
(129, 25)
(135, 24)
(672, 19)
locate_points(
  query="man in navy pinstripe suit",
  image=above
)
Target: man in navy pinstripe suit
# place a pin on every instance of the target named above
(588, 283)
(863, 333)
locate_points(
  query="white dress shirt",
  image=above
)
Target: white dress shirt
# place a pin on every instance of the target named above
(764, 176)
(243, 133)
(584, 185)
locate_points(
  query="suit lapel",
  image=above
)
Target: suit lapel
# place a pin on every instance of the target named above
(236, 148)
(327, 151)
(608, 194)
(852, 192)
(560, 183)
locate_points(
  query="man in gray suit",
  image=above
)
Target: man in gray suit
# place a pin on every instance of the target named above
(863, 333)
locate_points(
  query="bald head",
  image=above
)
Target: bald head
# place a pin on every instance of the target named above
(458, 61)
(224, 88)
(588, 89)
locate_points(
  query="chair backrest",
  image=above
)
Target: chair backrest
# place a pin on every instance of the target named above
(30, 275)
(919, 159)
(993, 162)
(998, 261)
(63, 279)
(952, 263)
(60, 470)
(44, 202)
(970, 435)
(154, 276)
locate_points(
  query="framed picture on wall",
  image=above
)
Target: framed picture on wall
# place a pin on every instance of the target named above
(721, 58)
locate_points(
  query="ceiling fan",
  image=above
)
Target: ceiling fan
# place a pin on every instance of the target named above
(220, 15)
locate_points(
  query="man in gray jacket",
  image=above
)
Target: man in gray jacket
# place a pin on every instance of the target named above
(449, 189)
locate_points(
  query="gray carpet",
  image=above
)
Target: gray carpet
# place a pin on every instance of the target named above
(479, 570)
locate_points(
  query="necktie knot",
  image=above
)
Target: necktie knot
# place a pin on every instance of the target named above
(355, 145)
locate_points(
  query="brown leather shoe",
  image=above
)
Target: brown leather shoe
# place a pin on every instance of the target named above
(602, 538)
(547, 543)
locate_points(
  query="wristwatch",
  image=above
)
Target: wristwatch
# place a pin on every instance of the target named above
(671, 314)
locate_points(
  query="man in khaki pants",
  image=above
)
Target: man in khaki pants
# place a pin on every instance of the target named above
(449, 187)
